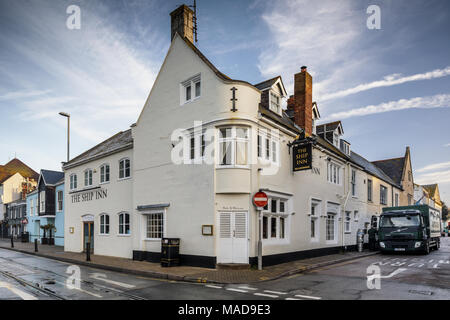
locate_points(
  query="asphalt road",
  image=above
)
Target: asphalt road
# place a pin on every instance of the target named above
(403, 276)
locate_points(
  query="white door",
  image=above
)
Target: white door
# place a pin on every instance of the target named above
(233, 237)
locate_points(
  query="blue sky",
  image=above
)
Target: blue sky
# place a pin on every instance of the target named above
(390, 87)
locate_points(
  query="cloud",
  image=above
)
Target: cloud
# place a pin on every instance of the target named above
(442, 176)
(447, 145)
(17, 95)
(436, 101)
(435, 166)
(388, 81)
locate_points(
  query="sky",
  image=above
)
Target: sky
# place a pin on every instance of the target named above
(390, 87)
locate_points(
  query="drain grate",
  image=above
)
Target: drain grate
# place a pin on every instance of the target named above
(425, 293)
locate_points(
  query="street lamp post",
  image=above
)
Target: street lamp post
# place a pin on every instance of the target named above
(68, 133)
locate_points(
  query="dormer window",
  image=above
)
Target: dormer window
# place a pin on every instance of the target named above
(191, 89)
(275, 102)
(345, 147)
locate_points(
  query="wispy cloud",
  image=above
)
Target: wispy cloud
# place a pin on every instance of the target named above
(390, 80)
(442, 176)
(435, 166)
(436, 101)
(17, 95)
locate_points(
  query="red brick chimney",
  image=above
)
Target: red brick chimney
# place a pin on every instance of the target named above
(302, 101)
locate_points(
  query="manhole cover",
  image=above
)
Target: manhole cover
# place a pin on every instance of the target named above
(425, 293)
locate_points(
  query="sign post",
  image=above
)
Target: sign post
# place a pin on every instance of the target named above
(260, 200)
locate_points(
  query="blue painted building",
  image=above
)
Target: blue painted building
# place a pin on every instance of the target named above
(45, 206)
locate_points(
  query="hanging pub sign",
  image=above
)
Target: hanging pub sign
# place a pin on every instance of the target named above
(302, 157)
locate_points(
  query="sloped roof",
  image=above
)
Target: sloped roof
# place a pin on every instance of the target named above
(267, 83)
(392, 167)
(372, 169)
(120, 141)
(16, 166)
(52, 177)
(431, 189)
(283, 120)
(330, 126)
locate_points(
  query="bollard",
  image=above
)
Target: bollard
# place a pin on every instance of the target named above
(35, 245)
(88, 251)
(12, 242)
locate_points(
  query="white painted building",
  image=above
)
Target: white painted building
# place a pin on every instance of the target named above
(202, 146)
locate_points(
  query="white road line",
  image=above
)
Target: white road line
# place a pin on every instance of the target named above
(79, 289)
(265, 295)
(292, 299)
(308, 297)
(20, 293)
(102, 277)
(247, 288)
(211, 286)
(274, 292)
(237, 290)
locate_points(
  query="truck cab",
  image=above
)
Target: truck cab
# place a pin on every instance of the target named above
(408, 229)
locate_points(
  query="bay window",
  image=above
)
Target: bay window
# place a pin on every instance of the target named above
(233, 146)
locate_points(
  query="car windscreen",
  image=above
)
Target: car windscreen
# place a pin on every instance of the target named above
(400, 221)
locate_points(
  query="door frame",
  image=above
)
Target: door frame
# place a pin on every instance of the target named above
(247, 247)
(90, 225)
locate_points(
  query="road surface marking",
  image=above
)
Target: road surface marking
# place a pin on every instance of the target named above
(292, 299)
(237, 290)
(265, 295)
(70, 287)
(308, 297)
(102, 277)
(20, 293)
(247, 288)
(394, 273)
(274, 292)
(211, 286)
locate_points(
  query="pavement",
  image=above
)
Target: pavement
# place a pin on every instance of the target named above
(185, 273)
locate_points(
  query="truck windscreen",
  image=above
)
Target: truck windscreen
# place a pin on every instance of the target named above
(400, 221)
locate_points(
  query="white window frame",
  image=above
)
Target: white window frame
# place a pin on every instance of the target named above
(332, 209)
(385, 195)
(42, 201)
(356, 215)
(89, 179)
(268, 146)
(315, 217)
(334, 240)
(59, 200)
(191, 82)
(232, 146)
(124, 213)
(104, 224)
(334, 173)
(125, 177)
(104, 174)
(73, 181)
(274, 107)
(163, 220)
(348, 222)
(277, 215)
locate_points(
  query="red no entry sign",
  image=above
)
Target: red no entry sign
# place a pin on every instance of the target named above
(260, 199)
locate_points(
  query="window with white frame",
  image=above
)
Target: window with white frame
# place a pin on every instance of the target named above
(155, 225)
(268, 145)
(383, 194)
(336, 139)
(191, 89)
(275, 220)
(73, 181)
(104, 224)
(333, 172)
(353, 183)
(124, 168)
(88, 178)
(274, 102)
(42, 201)
(356, 215)
(197, 145)
(104, 173)
(314, 219)
(60, 200)
(124, 223)
(347, 222)
(330, 226)
(233, 146)
(31, 207)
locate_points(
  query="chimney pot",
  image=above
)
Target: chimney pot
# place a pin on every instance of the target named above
(304, 68)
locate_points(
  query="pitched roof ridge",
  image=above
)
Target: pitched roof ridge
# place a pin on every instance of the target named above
(388, 159)
(279, 76)
(96, 146)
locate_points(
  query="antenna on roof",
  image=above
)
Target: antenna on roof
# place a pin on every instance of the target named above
(194, 20)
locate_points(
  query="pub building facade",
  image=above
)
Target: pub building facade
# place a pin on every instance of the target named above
(316, 204)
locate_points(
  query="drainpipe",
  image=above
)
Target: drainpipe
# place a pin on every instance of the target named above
(345, 203)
